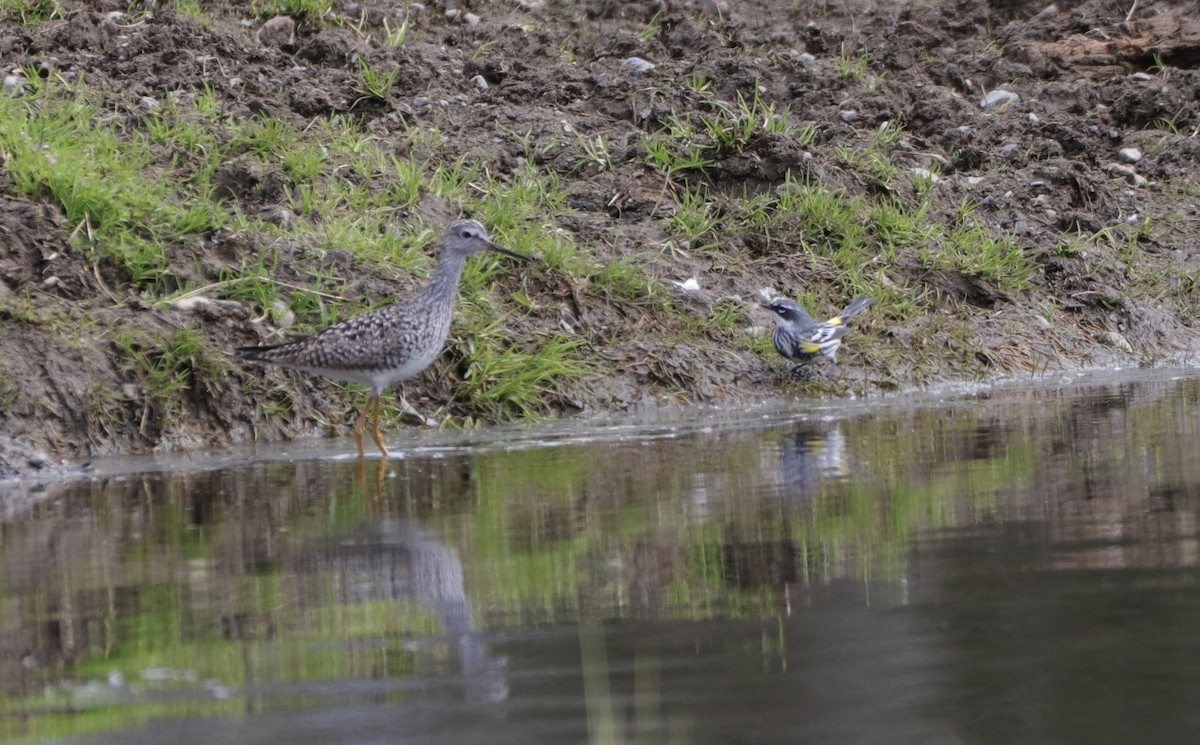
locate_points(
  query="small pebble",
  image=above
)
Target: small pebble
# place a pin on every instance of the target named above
(420, 102)
(1142, 76)
(848, 115)
(1032, 118)
(639, 64)
(14, 84)
(1009, 149)
(453, 13)
(471, 19)
(480, 82)
(999, 98)
(417, 7)
(284, 316)
(1129, 154)
(926, 174)
(806, 57)
(148, 103)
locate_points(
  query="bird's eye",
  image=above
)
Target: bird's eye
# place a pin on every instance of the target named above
(466, 234)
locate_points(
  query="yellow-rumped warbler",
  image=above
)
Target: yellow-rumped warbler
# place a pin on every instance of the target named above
(799, 337)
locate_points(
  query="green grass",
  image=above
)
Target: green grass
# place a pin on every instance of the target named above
(29, 11)
(169, 367)
(135, 206)
(305, 11)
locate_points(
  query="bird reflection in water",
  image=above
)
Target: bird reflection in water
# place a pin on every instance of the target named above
(389, 558)
(809, 455)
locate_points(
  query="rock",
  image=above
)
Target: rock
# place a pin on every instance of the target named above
(452, 14)
(14, 84)
(148, 103)
(18, 459)
(480, 82)
(999, 99)
(277, 214)
(1032, 118)
(848, 115)
(715, 8)
(925, 174)
(1129, 154)
(284, 317)
(471, 19)
(207, 307)
(1126, 172)
(1114, 340)
(279, 31)
(638, 64)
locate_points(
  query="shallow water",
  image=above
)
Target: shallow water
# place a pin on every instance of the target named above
(1019, 564)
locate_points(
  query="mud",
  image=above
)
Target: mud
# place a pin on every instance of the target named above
(1090, 82)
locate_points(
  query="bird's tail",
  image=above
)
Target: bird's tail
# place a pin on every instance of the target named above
(856, 306)
(256, 354)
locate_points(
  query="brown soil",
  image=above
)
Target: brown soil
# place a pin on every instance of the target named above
(1090, 81)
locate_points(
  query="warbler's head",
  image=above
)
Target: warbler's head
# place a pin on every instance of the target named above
(787, 310)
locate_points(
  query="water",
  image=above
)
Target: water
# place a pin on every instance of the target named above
(1019, 564)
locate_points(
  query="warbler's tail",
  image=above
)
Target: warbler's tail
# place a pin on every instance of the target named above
(856, 306)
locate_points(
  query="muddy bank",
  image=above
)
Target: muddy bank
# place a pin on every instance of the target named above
(1067, 133)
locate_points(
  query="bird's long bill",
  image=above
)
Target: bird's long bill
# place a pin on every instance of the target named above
(513, 254)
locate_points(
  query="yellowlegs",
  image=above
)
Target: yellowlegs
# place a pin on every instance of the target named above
(390, 343)
(798, 336)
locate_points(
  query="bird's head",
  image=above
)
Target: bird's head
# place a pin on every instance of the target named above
(787, 310)
(467, 237)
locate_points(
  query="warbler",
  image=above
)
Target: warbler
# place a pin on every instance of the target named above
(798, 336)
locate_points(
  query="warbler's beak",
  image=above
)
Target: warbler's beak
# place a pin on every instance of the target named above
(513, 254)
(765, 305)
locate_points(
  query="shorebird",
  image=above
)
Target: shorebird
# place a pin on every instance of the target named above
(798, 336)
(390, 343)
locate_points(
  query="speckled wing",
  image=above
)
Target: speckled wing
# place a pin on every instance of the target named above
(363, 342)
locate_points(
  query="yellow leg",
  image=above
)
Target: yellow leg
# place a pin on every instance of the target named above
(375, 430)
(358, 428)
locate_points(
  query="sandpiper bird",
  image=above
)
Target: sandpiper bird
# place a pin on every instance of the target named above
(390, 343)
(798, 336)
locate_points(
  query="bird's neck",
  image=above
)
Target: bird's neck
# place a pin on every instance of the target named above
(443, 286)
